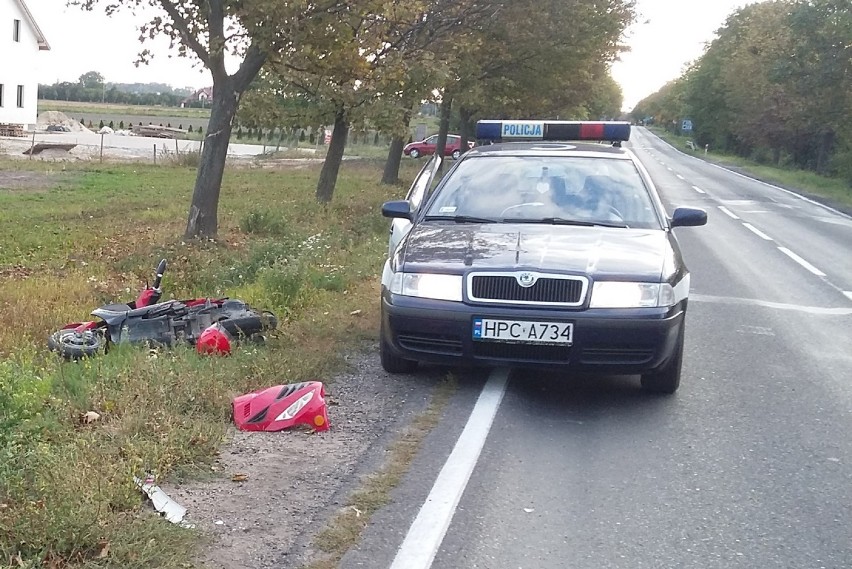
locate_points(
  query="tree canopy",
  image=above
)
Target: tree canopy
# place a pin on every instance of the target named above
(775, 85)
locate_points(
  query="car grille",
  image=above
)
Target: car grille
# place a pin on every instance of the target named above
(520, 352)
(554, 290)
(431, 343)
(616, 356)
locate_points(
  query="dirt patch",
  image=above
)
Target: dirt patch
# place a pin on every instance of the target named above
(23, 180)
(297, 481)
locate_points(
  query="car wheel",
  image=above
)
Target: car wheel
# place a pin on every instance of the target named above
(414, 153)
(456, 154)
(392, 363)
(667, 379)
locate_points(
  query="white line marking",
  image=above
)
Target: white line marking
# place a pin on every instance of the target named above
(848, 294)
(679, 176)
(669, 169)
(699, 190)
(757, 231)
(802, 262)
(728, 212)
(424, 537)
(817, 310)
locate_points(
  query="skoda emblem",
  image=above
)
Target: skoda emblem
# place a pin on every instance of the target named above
(526, 279)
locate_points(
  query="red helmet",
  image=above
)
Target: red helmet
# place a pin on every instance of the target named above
(215, 340)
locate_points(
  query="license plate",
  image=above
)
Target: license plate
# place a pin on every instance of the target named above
(523, 331)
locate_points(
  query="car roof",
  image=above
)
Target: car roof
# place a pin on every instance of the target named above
(539, 148)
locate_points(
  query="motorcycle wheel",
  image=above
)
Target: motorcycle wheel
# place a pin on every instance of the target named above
(248, 326)
(75, 346)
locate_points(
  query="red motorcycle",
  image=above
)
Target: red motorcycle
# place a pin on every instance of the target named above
(149, 321)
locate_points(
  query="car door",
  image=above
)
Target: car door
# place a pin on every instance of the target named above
(416, 195)
(430, 145)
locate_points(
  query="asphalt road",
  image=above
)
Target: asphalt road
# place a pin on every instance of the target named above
(748, 465)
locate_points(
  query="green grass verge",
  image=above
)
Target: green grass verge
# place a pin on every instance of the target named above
(834, 191)
(74, 108)
(75, 238)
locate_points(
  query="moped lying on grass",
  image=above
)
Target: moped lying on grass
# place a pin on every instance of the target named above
(149, 321)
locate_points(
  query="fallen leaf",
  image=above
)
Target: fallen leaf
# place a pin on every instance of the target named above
(103, 552)
(90, 417)
(357, 511)
(239, 477)
(355, 313)
(529, 510)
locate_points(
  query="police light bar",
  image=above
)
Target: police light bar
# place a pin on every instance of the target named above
(507, 131)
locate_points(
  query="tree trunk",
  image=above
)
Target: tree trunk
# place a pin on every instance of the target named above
(331, 166)
(465, 131)
(444, 125)
(826, 144)
(391, 173)
(203, 213)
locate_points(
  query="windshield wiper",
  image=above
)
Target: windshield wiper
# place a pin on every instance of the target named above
(564, 221)
(459, 218)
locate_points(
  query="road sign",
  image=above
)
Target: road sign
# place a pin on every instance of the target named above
(686, 124)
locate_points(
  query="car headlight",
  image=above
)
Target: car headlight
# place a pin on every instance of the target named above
(611, 294)
(426, 285)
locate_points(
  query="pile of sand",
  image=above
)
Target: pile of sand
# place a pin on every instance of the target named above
(47, 118)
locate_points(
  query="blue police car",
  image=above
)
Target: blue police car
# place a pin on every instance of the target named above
(546, 245)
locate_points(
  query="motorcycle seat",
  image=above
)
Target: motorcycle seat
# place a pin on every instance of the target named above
(114, 308)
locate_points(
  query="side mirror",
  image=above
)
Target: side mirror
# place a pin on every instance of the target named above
(400, 209)
(688, 217)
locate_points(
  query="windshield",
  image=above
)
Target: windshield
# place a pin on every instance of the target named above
(546, 189)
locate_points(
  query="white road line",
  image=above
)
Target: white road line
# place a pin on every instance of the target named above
(757, 231)
(802, 262)
(848, 294)
(816, 310)
(679, 176)
(728, 212)
(669, 169)
(424, 537)
(699, 190)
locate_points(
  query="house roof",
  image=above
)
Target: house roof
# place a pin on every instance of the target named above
(42, 41)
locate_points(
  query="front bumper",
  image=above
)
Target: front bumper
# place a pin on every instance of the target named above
(622, 341)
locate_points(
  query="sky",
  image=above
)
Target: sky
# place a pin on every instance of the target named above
(667, 36)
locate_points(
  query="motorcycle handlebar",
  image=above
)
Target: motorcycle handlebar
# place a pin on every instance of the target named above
(161, 268)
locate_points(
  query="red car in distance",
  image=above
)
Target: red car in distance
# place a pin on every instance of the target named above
(428, 146)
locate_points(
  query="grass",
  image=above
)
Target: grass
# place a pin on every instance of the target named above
(91, 234)
(79, 107)
(835, 191)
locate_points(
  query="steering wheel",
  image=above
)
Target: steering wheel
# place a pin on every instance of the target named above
(521, 205)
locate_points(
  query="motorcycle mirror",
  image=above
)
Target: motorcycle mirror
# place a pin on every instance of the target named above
(161, 268)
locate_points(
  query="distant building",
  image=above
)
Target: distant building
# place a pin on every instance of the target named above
(203, 96)
(21, 40)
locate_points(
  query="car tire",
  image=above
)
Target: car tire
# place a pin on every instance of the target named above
(456, 154)
(667, 379)
(414, 153)
(392, 363)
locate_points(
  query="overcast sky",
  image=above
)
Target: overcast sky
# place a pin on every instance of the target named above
(667, 36)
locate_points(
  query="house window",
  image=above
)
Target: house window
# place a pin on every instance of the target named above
(20, 96)
(16, 31)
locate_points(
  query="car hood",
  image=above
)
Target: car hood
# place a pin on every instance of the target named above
(600, 252)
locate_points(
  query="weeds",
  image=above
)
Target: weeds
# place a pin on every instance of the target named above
(94, 236)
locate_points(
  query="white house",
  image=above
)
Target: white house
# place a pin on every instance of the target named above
(21, 40)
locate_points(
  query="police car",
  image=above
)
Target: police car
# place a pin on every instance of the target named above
(546, 245)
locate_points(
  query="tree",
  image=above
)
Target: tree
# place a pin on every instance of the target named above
(92, 80)
(354, 58)
(209, 31)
